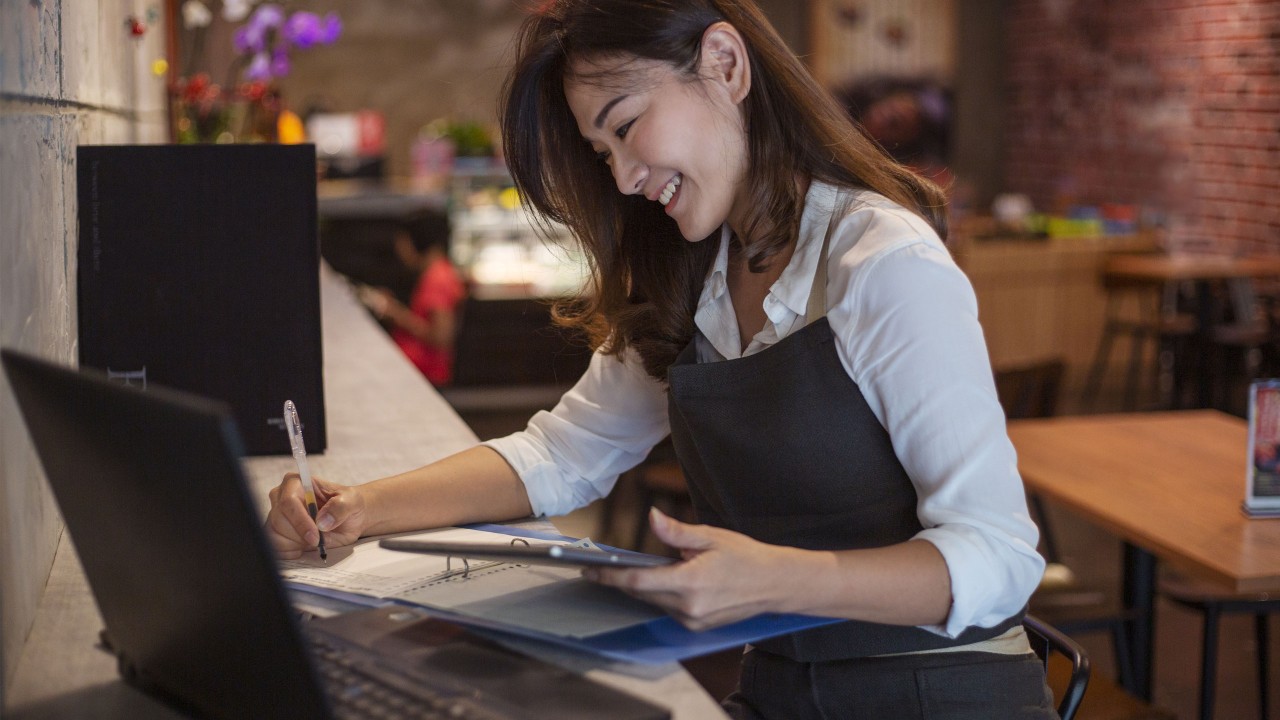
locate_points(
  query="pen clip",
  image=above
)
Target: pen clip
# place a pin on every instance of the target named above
(293, 426)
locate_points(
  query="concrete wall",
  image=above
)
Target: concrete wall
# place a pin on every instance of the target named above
(70, 73)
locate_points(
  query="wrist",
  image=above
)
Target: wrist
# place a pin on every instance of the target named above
(375, 517)
(794, 590)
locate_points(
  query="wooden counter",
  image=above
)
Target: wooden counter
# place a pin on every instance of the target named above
(382, 418)
(1042, 298)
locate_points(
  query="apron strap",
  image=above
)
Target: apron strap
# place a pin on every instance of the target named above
(816, 308)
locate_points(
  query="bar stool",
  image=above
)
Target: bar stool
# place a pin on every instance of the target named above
(1243, 329)
(1145, 312)
(1213, 603)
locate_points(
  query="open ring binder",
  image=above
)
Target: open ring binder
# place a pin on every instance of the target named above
(466, 564)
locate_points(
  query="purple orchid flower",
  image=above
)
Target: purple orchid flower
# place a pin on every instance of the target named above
(269, 35)
(303, 29)
(259, 68)
(251, 37)
(268, 16)
(280, 62)
(332, 28)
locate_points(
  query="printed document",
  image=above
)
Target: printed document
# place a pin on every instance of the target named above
(540, 598)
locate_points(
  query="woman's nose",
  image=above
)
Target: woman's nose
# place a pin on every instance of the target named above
(629, 174)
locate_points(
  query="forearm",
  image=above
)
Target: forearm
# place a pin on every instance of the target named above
(441, 332)
(409, 321)
(903, 584)
(474, 485)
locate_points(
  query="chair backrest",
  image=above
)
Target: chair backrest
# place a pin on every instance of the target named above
(1045, 640)
(1030, 391)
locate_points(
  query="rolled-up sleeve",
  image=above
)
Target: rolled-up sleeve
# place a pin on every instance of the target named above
(906, 321)
(603, 426)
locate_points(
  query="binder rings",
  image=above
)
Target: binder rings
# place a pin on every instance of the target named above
(199, 270)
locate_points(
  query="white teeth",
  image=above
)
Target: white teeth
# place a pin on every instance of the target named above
(669, 190)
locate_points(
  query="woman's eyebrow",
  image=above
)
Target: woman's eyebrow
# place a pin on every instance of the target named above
(604, 111)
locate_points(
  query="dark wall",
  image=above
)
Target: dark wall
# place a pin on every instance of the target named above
(978, 141)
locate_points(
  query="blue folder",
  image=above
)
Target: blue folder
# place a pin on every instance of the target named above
(656, 641)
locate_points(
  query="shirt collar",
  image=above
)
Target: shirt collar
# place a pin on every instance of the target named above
(717, 280)
(790, 291)
(793, 285)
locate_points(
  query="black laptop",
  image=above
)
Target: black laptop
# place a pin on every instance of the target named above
(153, 494)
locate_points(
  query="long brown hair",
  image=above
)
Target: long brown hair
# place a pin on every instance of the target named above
(646, 278)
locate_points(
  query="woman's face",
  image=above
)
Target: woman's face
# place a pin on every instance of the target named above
(677, 142)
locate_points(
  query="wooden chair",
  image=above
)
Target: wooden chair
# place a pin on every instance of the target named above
(1145, 312)
(1031, 391)
(1045, 639)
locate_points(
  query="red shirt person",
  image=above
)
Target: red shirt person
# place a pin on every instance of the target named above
(425, 329)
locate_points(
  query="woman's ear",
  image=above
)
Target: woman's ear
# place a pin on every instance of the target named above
(724, 60)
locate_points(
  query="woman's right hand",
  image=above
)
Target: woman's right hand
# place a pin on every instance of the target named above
(341, 515)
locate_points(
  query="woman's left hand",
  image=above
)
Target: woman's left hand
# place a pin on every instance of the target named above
(726, 576)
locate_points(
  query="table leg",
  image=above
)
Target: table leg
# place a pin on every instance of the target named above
(1139, 600)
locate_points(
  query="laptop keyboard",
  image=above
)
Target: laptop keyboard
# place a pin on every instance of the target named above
(360, 689)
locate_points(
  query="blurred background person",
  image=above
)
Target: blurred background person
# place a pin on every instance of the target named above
(425, 328)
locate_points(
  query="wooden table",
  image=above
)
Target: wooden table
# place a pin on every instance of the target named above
(1203, 270)
(1170, 485)
(383, 418)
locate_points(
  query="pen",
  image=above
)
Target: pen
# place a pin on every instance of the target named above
(294, 427)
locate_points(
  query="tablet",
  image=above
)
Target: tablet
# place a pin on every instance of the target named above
(528, 554)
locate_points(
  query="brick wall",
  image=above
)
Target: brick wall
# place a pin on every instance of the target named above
(1170, 104)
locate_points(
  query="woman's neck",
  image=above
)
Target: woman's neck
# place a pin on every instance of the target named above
(737, 220)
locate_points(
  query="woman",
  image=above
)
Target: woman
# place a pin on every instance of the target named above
(773, 291)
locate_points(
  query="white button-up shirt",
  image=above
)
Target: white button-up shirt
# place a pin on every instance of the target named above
(905, 321)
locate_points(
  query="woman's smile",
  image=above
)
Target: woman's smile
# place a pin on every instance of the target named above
(669, 193)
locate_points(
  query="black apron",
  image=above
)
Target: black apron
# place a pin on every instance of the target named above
(782, 446)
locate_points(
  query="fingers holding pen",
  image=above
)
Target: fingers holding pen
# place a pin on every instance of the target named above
(289, 526)
(342, 516)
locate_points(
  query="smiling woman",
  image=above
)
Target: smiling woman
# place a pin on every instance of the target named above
(738, 86)
(772, 291)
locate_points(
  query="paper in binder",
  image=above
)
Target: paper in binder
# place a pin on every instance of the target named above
(550, 604)
(552, 600)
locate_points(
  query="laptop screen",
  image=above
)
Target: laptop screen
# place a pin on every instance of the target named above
(154, 497)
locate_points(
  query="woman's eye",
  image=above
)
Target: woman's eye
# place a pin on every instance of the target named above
(602, 156)
(622, 131)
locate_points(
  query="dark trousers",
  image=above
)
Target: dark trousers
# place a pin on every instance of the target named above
(932, 686)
